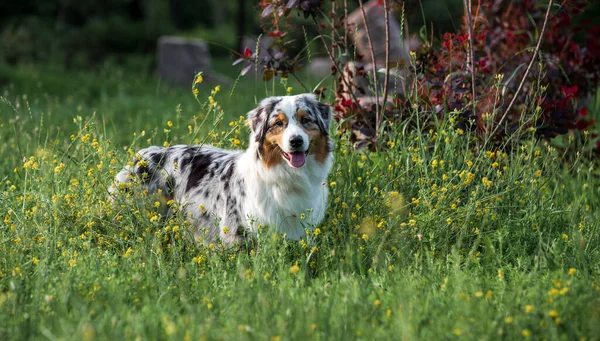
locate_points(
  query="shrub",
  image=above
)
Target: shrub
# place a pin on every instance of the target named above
(80, 32)
(439, 77)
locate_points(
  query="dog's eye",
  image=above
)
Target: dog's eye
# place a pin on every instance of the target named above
(305, 120)
(278, 124)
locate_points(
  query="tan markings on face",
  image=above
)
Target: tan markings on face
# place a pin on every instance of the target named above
(308, 127)
(318, 142)
(300, 114)
(319, 147)
(271, 147)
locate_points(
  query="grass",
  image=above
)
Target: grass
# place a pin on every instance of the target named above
(424, 241)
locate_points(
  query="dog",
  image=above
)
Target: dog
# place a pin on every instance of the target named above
(279, 181)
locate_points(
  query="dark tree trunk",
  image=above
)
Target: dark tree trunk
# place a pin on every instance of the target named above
(240, 24)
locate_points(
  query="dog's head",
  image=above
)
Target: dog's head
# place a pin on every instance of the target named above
(291, 129)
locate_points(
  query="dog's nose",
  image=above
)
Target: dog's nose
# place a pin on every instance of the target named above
(296, 141)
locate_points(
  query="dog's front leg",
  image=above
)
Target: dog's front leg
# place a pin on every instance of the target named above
(230, 233)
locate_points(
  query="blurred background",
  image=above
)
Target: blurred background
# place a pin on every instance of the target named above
(71, 57)
(85, 33)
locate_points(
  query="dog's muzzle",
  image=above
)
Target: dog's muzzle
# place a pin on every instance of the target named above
(297, 158)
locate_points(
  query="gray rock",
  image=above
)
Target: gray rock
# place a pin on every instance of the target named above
(374, 14)
(180, 59)
(361, 83)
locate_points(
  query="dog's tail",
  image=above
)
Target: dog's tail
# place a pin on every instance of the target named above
(145, 169)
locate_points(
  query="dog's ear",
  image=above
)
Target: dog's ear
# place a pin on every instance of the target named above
(259, 117)
(325, 115)
(322, 113)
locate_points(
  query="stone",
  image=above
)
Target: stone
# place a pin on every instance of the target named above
(180, 59)
(374, 14)
(359, 77)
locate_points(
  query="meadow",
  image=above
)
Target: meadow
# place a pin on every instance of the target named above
(425, 239)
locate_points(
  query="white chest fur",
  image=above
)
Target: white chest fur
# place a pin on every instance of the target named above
(288, 199)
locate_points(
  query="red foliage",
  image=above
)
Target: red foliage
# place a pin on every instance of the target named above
(570, 70)
(504, 39)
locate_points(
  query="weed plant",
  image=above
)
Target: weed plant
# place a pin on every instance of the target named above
(430, 239)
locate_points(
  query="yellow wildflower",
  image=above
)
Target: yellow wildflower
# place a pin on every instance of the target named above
(59, 168)
(294, 269)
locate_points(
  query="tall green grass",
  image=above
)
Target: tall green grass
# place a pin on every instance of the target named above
(425, 240)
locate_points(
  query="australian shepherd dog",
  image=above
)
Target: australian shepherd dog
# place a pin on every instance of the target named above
(279, 181)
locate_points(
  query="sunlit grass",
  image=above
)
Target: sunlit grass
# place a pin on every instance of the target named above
(425, 240)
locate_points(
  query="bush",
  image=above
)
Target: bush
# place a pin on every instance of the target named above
(439, 77)
(81, 32)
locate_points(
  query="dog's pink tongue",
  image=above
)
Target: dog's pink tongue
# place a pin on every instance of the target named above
(297, 159)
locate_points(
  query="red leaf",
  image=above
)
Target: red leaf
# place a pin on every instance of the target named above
(275, 34)
(584, 124)
(569, 91)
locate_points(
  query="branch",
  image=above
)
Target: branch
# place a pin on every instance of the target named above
(333, 40)
(387, 55)
(467, 4)
(535, 52)
(372, 50)
(337, 67)
(345, 26)
(300, 81)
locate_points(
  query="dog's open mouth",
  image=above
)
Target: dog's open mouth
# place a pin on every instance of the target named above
(296, 159)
